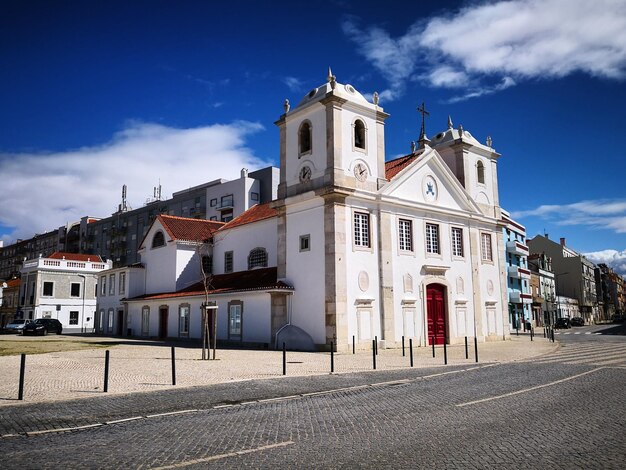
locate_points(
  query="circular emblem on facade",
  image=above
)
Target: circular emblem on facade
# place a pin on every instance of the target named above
(305, 174)
(364, 281)
(429, 189)
(360, 171)
(490, 287)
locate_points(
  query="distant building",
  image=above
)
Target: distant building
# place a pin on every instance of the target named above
(567, 307)
(543, 290)
(115, 286)
(9, 302)
(574, 274)
(518, 274)
(62, 286)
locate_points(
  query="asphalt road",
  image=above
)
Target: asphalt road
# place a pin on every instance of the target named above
(564, 410)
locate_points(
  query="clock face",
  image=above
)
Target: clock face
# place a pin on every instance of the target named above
(360, 171)
(305, 174)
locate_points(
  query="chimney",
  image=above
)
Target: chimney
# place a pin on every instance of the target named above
(562, 241)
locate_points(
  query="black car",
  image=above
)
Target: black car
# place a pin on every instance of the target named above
(562, 323)
(578, 321)
(617, 318)
(43, 326)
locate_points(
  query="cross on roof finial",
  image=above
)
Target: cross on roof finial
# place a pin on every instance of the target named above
(422, 110)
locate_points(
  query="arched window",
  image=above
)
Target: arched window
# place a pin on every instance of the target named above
(158, 240)
(304, 137)
(359, 134)
(480, 172)
(257, 258)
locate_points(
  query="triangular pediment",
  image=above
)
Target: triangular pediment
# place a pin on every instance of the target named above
(428, 181)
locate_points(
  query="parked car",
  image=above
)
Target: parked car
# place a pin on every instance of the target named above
(578, 321)
(617, 318)
(43, 326)
(562, 323)
(15, 326)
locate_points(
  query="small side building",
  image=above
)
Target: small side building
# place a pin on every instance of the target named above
(62, 286)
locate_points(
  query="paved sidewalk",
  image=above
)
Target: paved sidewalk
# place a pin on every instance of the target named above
(138, 366)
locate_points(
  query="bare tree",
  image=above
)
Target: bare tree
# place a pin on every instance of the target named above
(205, 253)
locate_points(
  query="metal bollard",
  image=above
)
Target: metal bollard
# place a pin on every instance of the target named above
(517, 330)
(411, 350)
(20, 392)
(376, 344)
(476, 348)
(374, 353)
(353, 344)
(332, 358)
(106, 371)
(544, 331)
(402, 345)
(433, 343)
(284, 359)
(173, 366)
(531, 334)
(445, 353)
(466, 351)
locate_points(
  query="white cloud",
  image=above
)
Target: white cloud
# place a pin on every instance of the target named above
(44, 191)
(294, 84)
(613, 258)
(505, 41)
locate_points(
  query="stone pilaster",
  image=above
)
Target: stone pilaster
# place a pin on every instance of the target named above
(385, 273)
(474, 238)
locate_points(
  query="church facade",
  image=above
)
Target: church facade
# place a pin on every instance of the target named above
(354, 247)
(410, 247)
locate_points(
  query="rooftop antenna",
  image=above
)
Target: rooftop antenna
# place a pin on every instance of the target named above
(157, 191)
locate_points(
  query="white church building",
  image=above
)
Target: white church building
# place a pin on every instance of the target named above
(353, 247)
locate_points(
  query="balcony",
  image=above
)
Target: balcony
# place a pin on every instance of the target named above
(519, 272)
(517, 297)
(517, 248)
(226, 203)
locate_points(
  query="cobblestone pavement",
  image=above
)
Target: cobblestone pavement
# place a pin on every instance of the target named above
(545, 408)
(515, 415)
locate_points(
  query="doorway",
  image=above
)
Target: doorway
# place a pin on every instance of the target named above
(163, 314)
(120, 322)
(436, 311)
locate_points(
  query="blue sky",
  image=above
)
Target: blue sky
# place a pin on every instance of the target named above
(99, 94)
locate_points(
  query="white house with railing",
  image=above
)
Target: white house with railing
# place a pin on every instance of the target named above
(62, 286)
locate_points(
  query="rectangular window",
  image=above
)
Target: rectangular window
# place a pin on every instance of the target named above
(485, 247)
(227, 216)
(183, 320)
(361, 229)
(112, 284)
(213, 202)
(213, 217)
(111, 315)
(101, 320)
(75, 289)
(226, 201)
(122, 288)
(405, 235)
(48, 289)
(103, 286)
(228, 262)
(234, 321)
(145, 321)
(254, 196)
(73, 318)
(457, 242)
(432, 238)
(305, 242)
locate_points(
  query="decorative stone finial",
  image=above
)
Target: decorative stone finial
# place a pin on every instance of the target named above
(449, 122)
(331, 79)
(489, 141)
(461, 130)
(286, 106)
(375, 97)
(413, 146)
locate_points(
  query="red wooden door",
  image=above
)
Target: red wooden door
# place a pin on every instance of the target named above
(435, 305)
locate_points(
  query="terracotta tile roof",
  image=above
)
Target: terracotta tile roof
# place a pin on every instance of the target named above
(183, 228)
(393, 167)
(254, 280)
(76, 257)
(254, 214)
(13, 283)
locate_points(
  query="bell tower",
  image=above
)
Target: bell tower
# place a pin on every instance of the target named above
(333, 138)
